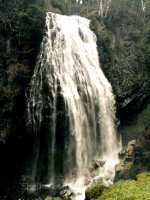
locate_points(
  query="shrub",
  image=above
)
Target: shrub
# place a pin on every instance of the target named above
(94, 191)
(61, 5)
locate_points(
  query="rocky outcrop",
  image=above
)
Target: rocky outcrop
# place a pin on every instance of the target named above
(135, 158)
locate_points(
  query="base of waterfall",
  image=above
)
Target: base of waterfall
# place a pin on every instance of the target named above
(100, 171)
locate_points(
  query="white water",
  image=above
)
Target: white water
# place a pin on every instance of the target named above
(143, 4)
(104, 7)
(69, 58)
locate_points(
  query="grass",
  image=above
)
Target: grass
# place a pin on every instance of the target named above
(138, 189)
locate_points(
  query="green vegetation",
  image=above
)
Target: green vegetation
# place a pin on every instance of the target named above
(137, 125)
(129, 189)
(30, 26)
(12, 99)
(143, 51)
(61, 5)
(104, 44)
(138, 189)
(94, 191)
(21, 31)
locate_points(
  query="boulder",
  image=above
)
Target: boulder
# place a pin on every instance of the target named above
(57, 198)
(128, 159)
(49, 198)
(132, 143)
(96, 165)
(87, 181)
(66, 193)
(122, 154)
(130, 151)
(135, 158)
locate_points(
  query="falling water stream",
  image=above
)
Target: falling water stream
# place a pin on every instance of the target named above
(68, 71)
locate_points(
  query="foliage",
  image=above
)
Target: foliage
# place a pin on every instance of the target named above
(103, 43)
(129, 189)
(30, 25)
(61, 5)
(12, 99)
(143, 51)
(18, 74)
(94, 191)
(135, 35)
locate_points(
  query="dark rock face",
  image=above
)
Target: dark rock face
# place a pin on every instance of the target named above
(18, 52)
(8, 58)
(16, 69)
(122, 56)
(122, 39)
(135, 158)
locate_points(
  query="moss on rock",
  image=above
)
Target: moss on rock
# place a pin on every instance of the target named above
(129, 189)
(94, 191)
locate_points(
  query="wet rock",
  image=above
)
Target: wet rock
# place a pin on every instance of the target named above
(135, 158)
(95, 173)
(49, 198)
(122, 170)
(87, 181)
(128, 159)
(66, 193)
(98, 180)
(132, 143)
(96, 165)
(63, 192)
(130, 150)
(122, 154)
(57, 198)
(101, 163)
(120, 166)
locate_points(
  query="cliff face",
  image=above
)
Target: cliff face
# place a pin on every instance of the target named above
(20, 38)
(21, 31)
(124, 51)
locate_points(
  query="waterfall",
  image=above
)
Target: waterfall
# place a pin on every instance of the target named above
(100, 12)
(104, 8)
(71, 104)
(143, 5)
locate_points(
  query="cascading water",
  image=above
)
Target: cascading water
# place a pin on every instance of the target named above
(143, 5)
(104, 7)
(71, 104)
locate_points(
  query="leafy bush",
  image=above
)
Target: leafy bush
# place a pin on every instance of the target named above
(29, 27)
(104, 45)
(135, 35)
(61, 5)
(94, 191)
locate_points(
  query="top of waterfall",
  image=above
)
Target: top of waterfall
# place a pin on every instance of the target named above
(71, 16)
